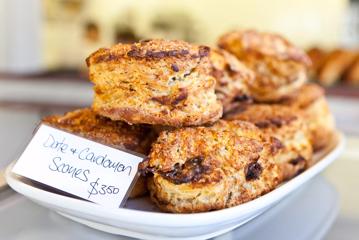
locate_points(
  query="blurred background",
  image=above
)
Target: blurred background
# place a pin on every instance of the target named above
(57, 35)
(44, 43)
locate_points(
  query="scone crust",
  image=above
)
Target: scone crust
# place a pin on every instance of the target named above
(231, 76)
(207, 168)
(311, 102)
(156, 82)
(280, 68)
(305, 96)
(244, 42)
(288, 126)
(274, 79)
(86, 123)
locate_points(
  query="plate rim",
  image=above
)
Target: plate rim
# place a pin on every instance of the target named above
(178, 220)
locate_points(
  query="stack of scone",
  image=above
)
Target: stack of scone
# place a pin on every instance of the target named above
(219, 126)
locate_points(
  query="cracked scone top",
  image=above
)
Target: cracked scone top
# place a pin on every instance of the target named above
(198, 169)
(280, 67)
(156, 82)
(288, 126)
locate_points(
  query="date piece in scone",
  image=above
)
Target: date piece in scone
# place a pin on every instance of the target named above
(198, 169)
(86, 123)
(231, 76)
(155, 82)
(280, 68)
(310, 100)
(288, 127)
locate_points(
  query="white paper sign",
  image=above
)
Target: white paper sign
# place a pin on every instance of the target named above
(78, 166)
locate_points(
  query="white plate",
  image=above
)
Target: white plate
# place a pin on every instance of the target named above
(21, 219)
(140, 218)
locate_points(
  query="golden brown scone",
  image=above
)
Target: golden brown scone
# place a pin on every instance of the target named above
(288, 127)
(335, 65)
(86, 123)
(317, 56)
(198, 169)
(280, 68)
(310, 100)
(352, 74)
(231, 76)
(156, 82)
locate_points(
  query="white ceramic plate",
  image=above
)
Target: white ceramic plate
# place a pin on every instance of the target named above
(21, 219)
(141, 219)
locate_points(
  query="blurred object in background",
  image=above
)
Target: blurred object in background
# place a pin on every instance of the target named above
(57, 35)
(21, 37)
(350, 33)
(338, 66)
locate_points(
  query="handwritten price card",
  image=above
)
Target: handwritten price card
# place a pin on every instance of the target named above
(76, 165)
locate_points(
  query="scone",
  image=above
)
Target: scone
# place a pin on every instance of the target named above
(288, 127)
(351, 76)
(310, 100)
(155, 82)
(85, 123)
(335, 66)
(317, 56)
(198, 169)
(280, 68)
(231, 76)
